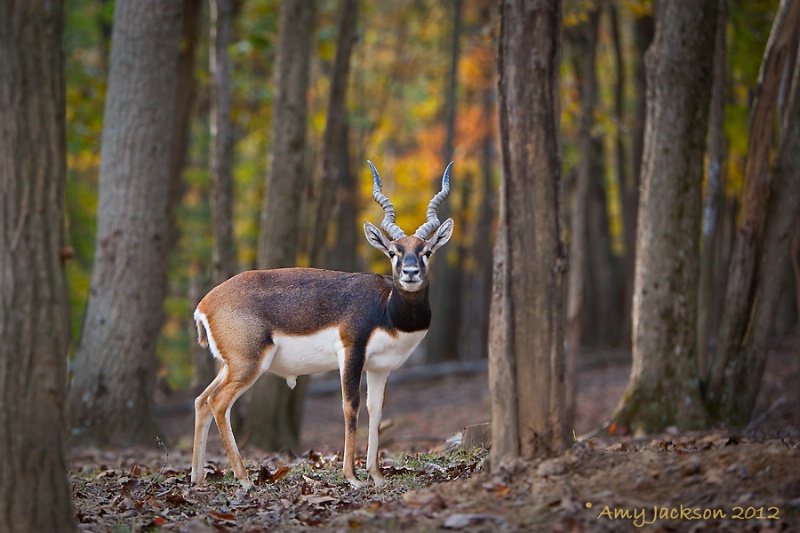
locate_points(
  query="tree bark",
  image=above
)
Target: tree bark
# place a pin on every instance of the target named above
(223, 254)
(275, 410)
(526, 339)
(335, 145)
(664, 386)
(112, 388)
(34, 327)
(732, 381)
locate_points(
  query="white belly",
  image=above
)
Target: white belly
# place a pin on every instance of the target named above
(309, 354)
(321, 352)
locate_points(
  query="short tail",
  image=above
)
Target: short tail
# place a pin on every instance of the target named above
(202, 334)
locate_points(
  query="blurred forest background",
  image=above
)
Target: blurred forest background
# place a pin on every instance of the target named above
(650, 149)
(421, 91)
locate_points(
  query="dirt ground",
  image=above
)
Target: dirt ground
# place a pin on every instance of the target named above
(720, 480)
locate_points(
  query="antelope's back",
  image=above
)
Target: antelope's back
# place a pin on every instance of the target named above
(246, 311)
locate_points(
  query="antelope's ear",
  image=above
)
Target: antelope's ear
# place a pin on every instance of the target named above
(442, 235)
(376, 238)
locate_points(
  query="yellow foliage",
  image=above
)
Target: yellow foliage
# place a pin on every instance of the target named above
(85, 161)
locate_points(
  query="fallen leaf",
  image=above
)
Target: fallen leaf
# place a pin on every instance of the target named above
(222, 516)
(460, 521)
(265, 476)
(317, 500)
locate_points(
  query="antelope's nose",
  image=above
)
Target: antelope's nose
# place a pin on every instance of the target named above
(410, 270)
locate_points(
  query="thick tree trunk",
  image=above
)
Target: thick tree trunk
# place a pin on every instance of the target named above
(223, 254)
(335, 146)
(111, 394)
(34, 492)
(526, 339)
(274, 409)
(732, 381)
(583, 42)
(664, 386)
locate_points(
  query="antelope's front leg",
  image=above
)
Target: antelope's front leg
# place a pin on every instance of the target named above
(376, 394)
(351, 401)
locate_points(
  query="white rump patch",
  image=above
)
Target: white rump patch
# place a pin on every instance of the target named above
(212, 344)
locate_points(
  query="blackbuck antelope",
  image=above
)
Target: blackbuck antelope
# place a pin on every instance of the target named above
(297, 321)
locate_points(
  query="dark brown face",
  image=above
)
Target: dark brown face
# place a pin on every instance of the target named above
(409, 256)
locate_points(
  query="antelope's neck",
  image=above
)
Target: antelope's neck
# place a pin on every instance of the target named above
(409, 311)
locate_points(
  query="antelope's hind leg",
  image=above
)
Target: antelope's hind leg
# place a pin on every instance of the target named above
(237, 380)
(202, 423)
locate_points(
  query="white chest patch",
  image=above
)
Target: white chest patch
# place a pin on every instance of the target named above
(386, 353)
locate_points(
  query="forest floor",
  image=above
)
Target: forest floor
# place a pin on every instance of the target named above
(720, 480)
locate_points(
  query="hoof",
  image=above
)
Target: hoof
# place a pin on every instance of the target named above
(355, 483)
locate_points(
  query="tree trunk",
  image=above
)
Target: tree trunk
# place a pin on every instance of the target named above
(732, 382)
(526, 335)
(111, 394)
(184, 99)
(643, 37)
(712, 200)
(603, 316)
(783, 216)
(583, 42)
(275, 410)
(795, 256)
(34, 327)
(223, 254)
(335, 146)
(474, 336)
(441, 343)
(664, 386)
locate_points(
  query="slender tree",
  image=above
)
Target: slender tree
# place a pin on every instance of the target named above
(279, 409)
(643, 29)
(440, 342)
(223, 261)
(336, 182)
(115, 370)
(34, 493)
(664, 388)
(526, 338)
(712, 200)
(583, 43)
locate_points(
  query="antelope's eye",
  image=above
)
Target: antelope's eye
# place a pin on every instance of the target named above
(392, 254)
(428, 253)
